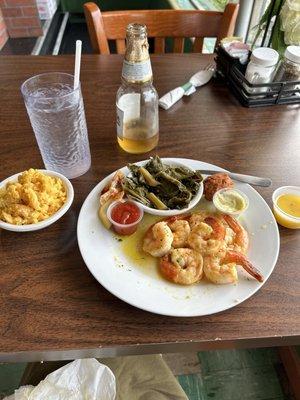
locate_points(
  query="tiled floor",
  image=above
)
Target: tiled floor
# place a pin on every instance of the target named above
(230, 375)
(10, 376)
(211, 375)
(234, 375)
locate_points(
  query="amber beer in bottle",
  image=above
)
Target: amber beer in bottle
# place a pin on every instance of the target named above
(137, 99)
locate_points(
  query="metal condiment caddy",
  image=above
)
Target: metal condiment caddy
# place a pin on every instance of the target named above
(233, 72)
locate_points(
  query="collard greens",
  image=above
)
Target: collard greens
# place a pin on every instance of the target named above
(162, 186)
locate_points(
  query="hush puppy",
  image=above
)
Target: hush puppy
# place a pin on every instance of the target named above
(214, 183)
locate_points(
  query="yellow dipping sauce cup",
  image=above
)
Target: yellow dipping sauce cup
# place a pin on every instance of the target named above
(282, 216)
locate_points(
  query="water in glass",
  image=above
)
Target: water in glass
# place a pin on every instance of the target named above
(56, 113)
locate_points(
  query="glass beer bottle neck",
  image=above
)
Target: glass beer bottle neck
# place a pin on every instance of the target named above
(137, 65)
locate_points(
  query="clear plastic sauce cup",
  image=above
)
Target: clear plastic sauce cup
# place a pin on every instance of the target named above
(117, 212)
(282, 217)
(231, 201)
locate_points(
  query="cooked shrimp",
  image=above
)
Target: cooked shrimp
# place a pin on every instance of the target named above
(197, 218)
(183, 266)
(208, 236)
(229, 236)
(222, 270)
(219, 273)
(181, 230)
(158, 239)
(240, 242)
(114, 190)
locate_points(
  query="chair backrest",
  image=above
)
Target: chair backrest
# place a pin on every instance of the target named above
(161, 24)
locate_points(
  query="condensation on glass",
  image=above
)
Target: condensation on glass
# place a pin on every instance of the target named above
(56, 113)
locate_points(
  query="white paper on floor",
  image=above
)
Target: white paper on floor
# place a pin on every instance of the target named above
(79, 380)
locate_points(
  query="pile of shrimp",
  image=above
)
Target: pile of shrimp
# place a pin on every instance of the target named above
(200, 244)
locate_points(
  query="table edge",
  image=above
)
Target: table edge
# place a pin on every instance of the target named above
(153, 348)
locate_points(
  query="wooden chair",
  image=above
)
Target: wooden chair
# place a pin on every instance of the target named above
(161, 24)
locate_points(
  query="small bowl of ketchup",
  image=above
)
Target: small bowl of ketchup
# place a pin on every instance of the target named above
(125, 216)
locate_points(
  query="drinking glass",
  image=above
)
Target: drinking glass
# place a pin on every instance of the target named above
(56, 113)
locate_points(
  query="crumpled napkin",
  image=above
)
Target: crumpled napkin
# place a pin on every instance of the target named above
(236, 47)
(199, 79)
(79, 380)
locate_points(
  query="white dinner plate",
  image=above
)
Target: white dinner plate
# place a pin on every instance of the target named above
(142, 286)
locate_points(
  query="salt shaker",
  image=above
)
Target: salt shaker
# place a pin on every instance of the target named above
(261, 68)
(289, 69)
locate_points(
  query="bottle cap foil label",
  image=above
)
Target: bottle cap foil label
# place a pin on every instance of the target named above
(137, 71)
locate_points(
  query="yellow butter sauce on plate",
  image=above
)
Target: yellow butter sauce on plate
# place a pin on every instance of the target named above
(131, 247)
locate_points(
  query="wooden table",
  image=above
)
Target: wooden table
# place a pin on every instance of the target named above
(50, 305)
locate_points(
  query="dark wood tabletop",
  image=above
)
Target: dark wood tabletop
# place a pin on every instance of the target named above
(51, 307)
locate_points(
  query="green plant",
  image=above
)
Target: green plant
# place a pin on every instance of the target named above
(286, 28)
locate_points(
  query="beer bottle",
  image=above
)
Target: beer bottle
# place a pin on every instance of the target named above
(137, 99)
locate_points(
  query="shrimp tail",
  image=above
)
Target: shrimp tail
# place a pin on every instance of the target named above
(232, 222)
(253, 271)
(240, 259)
(241, 235)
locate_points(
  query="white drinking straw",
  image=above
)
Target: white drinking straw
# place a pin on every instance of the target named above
(77, 63)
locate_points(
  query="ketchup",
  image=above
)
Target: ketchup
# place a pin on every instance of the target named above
(124, 215)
